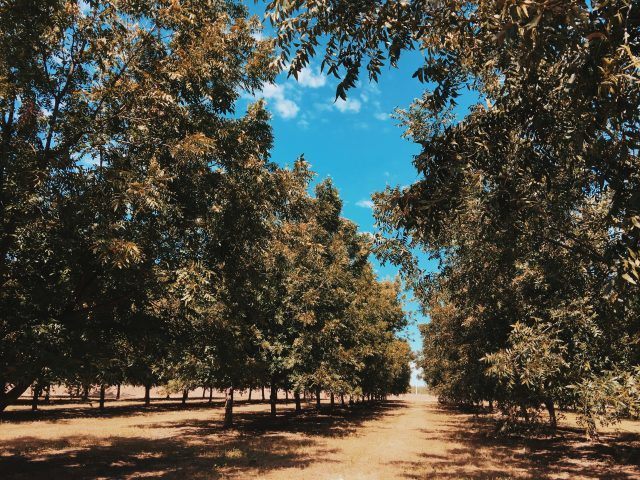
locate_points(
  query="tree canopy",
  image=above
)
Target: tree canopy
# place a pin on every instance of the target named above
(146, 235)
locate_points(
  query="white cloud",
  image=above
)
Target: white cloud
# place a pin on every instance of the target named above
(382, 116)
(285, 107)
(351, 105)
(311, 78)
(271, 90)
(364, 203)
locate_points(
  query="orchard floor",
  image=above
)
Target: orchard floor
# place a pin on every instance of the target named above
(409, 437)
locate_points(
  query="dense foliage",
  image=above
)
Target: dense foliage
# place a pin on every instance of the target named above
(146, 237)
(530, 202)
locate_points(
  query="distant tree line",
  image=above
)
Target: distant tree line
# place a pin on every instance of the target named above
(147, 238)
(530, 203)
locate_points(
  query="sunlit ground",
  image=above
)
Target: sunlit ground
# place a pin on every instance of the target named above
(409, 437)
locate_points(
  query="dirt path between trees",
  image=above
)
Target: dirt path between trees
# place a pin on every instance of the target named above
(411, 437)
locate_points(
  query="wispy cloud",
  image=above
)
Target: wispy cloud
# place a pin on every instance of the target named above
(311, 77)
(364, 203)
(284, 106)
(382, 116)
(351, 105)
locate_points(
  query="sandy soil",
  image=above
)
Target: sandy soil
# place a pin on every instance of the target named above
(410, 437)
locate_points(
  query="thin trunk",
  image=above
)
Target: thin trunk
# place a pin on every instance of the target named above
(250, 390)
(318, 391)
(36, 394)
(102, 391)
(210, 394)
(553, 421)
(85, 392)
(333, 401)
(342, 399)
(47, 394)
(263, 393)
(147, 395)
(204, 392)
(118, 392)
(185, 395)
(296, 396)
(273, 396)
(228, 407)
(286, 396)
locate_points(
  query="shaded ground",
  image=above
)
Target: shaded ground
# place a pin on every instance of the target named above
(406, 438)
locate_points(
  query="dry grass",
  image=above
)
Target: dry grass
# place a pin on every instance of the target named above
(406, 438)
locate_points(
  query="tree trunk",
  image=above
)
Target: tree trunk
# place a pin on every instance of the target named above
(185, 395)
(296, 396)
(204, 392)
(342, 399)
(318, 392)
(147, 395)
(250, 390)
(210, 394)
(85, 392)
(286, 396)
(553, 422)
(36, 394)
(263, 393)
(102, 391)
(118, 392)
(228, 407)
(273, 396)
(333, 402)
(47, 394)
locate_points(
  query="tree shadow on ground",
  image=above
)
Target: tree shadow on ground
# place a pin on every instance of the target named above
(336, 422)
(480, 454)
(68, 409)
(201, 449)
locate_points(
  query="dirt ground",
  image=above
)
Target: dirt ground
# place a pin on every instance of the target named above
(409, 437)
